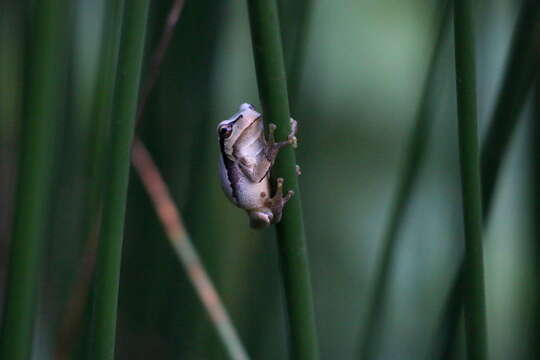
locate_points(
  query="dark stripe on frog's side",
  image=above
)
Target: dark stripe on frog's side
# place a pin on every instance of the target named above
(232, 170)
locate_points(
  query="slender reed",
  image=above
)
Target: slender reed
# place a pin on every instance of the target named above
(414, 158)
(122, 128)
(70, 328)
(534, 163)
(272, 84)
(474, 295)
(170, 218)
(294, 63)
(520, 72)
(156, 188)
(10, 98)
(158, 55)
(41, 103)
(168, 213)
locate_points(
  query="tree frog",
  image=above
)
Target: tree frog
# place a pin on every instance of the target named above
(245, 162)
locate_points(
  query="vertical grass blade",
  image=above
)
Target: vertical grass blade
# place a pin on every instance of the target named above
(272, 85)
(121, 136)
(102, 107)
(11, 46)
(534, 182)
(412, 164)
(167, 211)
(70, 328)
(474, 296)
(520, 73)
(42, 99)
(298, 20)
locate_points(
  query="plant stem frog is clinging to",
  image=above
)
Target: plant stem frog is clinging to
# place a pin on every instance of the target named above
(245, 163)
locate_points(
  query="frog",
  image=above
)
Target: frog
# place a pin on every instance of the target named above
(245, 162)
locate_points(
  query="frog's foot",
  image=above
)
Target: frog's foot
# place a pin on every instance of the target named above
(278, 201)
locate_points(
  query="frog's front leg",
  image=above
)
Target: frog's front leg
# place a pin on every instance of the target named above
(278, 201)
(256, 171)
(274, 147)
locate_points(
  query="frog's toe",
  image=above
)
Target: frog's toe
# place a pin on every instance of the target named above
(293, 141)
(279, 188)
(288, 196)
(278, 201)
(294, 126)
(271, 130)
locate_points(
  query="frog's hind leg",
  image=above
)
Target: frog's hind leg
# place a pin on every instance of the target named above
(278, 201)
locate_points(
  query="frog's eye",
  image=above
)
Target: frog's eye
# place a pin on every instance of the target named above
(225, 131)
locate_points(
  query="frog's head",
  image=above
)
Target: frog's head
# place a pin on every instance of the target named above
(245, 125)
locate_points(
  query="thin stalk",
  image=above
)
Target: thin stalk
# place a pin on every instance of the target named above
(271, 79)
(520, 73)
(474, 295)
(167, 211)
(172, 223)
(521, 70)
(114, 207)
(70, 328)
(299, 20)
(205, 221)
(11, 46)
(157, 189)
(42, 100)
(414, 158)
(159, 54)
(534, 163)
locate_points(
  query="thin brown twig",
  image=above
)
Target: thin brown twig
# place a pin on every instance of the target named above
(168, 212)
(170, 218)
(70, 327)
(158, 56)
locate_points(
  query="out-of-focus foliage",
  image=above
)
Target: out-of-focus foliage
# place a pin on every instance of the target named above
(360, 84)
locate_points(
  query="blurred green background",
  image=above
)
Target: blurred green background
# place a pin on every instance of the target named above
(360, 83)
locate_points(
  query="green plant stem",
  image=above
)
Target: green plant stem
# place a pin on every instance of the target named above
(534, 163)
(11, 49)
(71, 328)
(521, 70)
(298, 20)
(42, 101)
(474, 296)
(272, 85)
(102, 107)
(114, 207)
(415, 154)
(520, 73)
